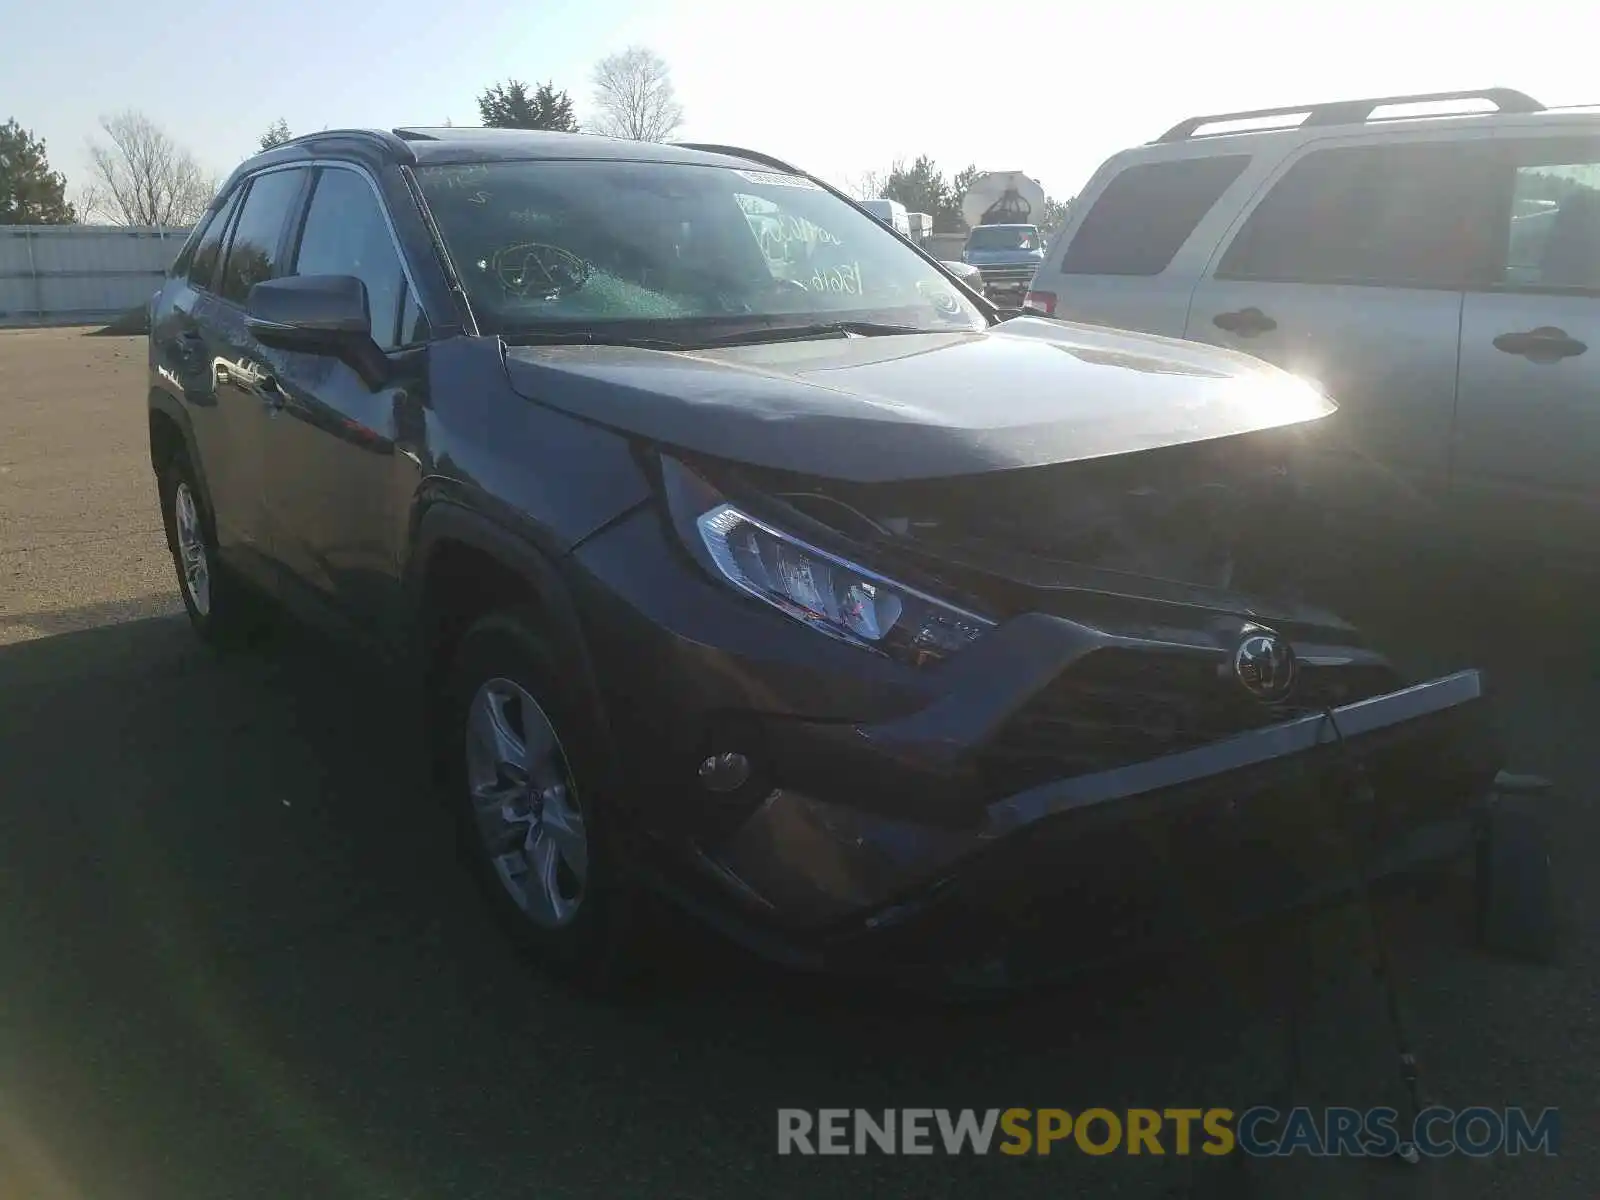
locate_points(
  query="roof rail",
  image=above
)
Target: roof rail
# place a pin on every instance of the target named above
(380, 139)
(370, 135)
(1356, 112)
(739, 152)
(437, 133)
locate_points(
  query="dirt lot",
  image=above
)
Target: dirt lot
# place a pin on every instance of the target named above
(238, 960)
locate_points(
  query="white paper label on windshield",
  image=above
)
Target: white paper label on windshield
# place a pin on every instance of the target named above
(774, 179)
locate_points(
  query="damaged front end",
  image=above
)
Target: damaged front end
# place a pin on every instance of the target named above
(1144, 731)
(1174, 554)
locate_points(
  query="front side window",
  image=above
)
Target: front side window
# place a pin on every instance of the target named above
(1395, 216)
(1552, 239)
(579, 243)
(258, 234)
(346, 234)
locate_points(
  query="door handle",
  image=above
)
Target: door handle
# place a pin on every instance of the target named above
(1546, 344)
(1246, 322)
(186, 346)
(265, 387)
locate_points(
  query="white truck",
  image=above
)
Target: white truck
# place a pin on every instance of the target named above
(892, 213)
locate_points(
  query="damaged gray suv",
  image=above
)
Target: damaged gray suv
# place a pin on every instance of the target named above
(747, 558)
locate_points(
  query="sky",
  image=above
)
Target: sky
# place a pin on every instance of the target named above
(837, 87)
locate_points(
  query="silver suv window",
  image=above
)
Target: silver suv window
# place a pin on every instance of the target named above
(1396, 215)
(1552, 234)
(1146, 213)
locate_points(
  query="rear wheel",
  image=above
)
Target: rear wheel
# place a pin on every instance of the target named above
(219, 606)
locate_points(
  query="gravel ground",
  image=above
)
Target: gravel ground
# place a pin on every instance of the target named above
(238, 958)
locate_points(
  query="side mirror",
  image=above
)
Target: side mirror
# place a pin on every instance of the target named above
(318, 314)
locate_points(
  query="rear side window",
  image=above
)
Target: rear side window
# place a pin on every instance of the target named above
(1146, 213)
(258, 235)
(202, 267)
(1396, 216)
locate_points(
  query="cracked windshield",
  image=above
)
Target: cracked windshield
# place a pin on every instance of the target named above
(574, 242)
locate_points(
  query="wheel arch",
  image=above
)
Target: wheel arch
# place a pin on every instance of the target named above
(171, 434)
(464, 566)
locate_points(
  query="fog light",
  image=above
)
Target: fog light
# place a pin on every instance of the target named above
(727, 772)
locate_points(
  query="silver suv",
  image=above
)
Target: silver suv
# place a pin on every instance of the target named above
(1437, 272)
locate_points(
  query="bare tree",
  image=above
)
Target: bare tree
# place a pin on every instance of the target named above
(633, 91)
(143, 177)
(868, 185)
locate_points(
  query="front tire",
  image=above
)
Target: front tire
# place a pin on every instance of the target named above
(524, 768)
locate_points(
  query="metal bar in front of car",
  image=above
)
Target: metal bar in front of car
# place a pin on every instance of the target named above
(1241, 752)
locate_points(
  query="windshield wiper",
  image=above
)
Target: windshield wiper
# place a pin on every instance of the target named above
(766, 333)
(798, 333)
(587, 337)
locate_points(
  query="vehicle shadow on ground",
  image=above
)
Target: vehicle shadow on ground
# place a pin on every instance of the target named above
(265, 952)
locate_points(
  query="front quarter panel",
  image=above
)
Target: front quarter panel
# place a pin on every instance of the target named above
(552, 478)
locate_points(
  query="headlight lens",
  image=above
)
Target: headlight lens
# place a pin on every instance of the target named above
(832, 595)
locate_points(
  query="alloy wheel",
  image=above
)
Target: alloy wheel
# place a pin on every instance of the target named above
(524, 803)
(192, 549)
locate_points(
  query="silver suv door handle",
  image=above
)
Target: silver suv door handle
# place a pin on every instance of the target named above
(1547, 344)
(1246, 322)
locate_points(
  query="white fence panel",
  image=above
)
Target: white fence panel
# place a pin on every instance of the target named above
(80, 274)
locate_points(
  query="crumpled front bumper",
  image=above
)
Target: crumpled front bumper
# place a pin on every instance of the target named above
(1160, 850)
(880, 836)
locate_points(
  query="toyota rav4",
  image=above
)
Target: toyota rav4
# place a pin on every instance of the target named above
(749, 559)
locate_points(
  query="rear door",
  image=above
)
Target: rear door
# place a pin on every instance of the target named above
(1349, 269)
(1527, 464)
(1120, 264)
(239, 370)
(179, 348)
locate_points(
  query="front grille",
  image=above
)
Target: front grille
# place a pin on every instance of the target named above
(1122, 706)
(1022, 274)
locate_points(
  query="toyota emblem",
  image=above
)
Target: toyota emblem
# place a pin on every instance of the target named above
(1264, 664)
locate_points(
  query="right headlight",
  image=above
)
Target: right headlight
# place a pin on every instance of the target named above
(831, 594)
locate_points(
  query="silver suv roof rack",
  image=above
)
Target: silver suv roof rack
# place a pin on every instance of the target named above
(1355, 112)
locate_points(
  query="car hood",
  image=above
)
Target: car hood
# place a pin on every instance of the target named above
(1025, 393)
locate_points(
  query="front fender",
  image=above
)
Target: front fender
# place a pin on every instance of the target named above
(541, 588)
